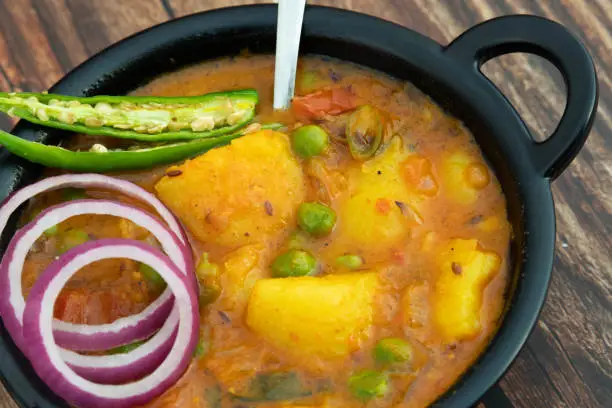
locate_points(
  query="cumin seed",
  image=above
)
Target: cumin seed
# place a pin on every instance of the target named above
(457, 269)
(174, 173)
(476, 219)
(401, 206)
(268, 207)
(224, 317)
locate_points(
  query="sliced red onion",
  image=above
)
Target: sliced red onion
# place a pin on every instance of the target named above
(46, 357)
(125, 367)
(78, 336)
(13, 201)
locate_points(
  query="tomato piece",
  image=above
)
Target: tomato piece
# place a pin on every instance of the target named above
(71, 305)
(418, 173)
(383, 206)
(326, 102)
(86, 306)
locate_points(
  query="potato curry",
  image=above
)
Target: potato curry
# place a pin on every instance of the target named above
(356, 256)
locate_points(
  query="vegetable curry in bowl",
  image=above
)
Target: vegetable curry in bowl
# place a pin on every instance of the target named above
(354, 255)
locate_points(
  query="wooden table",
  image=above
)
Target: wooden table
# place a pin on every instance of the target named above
(568, 359)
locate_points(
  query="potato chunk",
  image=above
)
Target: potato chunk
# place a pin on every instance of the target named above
(373, 222)
(314, 317)
(379, 209)
(465, 271)
(239, 193)
(240, 271)
(418, 173)
(463, 176)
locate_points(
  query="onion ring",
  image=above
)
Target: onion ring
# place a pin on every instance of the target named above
(125, 367)
(78, 336)
(38, 327)
(13, 201)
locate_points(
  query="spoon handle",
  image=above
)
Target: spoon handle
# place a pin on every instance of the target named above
(288, 31)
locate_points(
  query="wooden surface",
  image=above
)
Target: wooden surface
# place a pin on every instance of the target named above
(568, 359)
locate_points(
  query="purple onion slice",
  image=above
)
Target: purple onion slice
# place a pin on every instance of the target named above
(125, 367)
(80, 336)
(48, 362)
(13, 201)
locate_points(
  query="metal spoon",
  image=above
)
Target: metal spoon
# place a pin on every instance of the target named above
(288, 31)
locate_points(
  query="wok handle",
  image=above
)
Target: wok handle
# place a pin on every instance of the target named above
(552, 41)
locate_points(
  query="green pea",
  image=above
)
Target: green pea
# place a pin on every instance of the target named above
(308, 81)
(297, 240)
(51, 231)
(213, 396)
(199, 351)
(368, 384)
(392, 350)
(71, 239)
(309, 141)
(208, 273)
(273, 386)
(349, 261)
(126, 348)
(152, 276)
(206, 269)
(203, 343)
(71, 193)
(209, 292)
(316, 219)
(294, 262)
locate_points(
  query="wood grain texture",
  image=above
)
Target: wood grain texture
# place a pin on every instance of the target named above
(568, 359)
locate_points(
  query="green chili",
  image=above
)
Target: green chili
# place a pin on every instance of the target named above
(365, 132)
(112, 160)
(147, 118)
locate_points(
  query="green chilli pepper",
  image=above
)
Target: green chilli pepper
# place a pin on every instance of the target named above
(364, 132)
(147, 118)
(101, 161)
